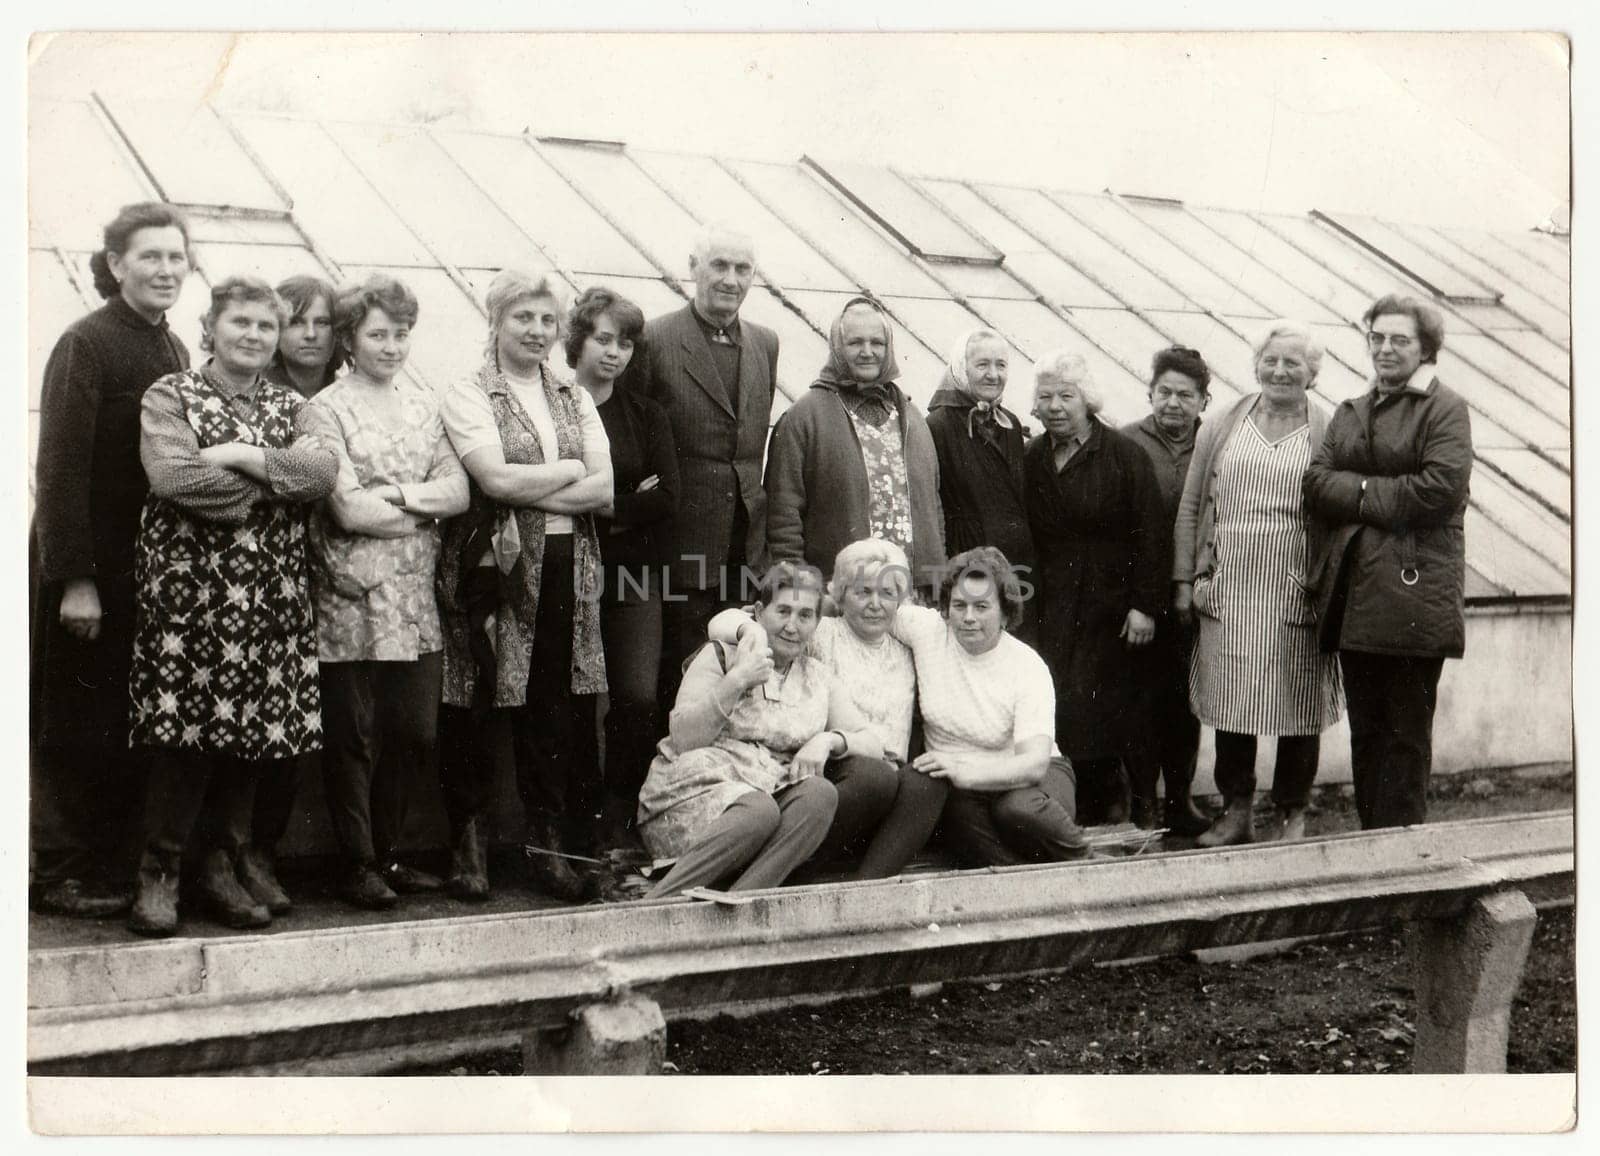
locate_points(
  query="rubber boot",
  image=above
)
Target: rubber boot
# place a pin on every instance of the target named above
(155, 907)
(257, 877)
(552, 874)
(1234, 826)
(469, 864)
(228, 902)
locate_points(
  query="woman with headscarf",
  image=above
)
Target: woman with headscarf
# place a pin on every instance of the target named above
(979, 443)
(853, 458)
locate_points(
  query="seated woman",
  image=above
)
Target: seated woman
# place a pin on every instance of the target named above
(988, 715)
(224, 680)
(870, 580)
(738, 788)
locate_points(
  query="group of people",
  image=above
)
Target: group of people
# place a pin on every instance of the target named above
(868, 623)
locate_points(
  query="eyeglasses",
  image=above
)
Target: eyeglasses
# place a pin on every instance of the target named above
(1399, 342)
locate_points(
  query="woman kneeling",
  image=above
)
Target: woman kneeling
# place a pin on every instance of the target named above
(740, 788)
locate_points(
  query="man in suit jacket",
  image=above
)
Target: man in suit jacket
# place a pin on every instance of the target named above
(715, 374)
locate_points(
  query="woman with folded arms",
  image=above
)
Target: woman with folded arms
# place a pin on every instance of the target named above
(224, 682)
(375, 548)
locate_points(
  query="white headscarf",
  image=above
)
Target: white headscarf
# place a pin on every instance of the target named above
(957, 365)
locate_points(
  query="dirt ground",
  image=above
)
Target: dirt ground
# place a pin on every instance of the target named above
(1328, 1006)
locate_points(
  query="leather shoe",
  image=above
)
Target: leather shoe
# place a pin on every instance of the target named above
(257, 877)
(364, 887)
(405, 880)
(1235, 825)
(552, 874)
(228, 902)
(73, 897)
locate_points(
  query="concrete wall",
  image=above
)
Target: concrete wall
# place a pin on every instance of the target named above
(1507, 703)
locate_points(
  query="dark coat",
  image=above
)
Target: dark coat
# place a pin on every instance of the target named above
(90, 490)
(817, 484)
(719, 446)
(1389, 569)
(981, 483)
(1098, 532)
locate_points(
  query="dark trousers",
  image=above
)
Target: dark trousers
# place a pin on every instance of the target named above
(1168, 745)
(275, 799)
(550, 738)
(1391, 699)
(1024, 825)
(216, 791)
(914, 810)
(1292, 777)
(866, 789)
(83, 822)
(380, 729)
(630, 626)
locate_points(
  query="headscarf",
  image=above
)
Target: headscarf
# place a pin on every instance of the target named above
(957, 373)
(837, 372)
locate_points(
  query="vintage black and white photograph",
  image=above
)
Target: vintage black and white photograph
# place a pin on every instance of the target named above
(800, 553)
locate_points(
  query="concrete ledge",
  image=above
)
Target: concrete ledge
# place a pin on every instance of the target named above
(317, 996)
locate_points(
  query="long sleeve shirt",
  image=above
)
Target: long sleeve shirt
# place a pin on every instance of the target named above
(170, 453)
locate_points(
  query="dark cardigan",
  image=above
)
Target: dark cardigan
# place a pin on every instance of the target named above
(981, 482)
(817, 502)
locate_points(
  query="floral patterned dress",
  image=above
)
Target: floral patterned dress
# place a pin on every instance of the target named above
(888, 490)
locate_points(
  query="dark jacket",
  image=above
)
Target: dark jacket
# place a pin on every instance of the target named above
(817, 484)
(1391, 565)
(639, 532)
(719, 445)
(980, 478)
(1099, 532)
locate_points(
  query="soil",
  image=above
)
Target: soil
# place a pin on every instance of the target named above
(1340, 1005)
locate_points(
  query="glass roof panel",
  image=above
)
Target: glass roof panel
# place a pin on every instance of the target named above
(192, 155)
(1069, 238)
(1533, 426)
(448, 341)
(1534, 473)
(651, 294)
(333, 202)
(236, 230)
(921, 222)
(1026, 256)
(77, 177)
(984, 281)
(1552, 319)
(826, 221)
(801, 350)
(1539, 349)
(1370, 277)
(716, 196)
(1524, 519)
(1311, 278)
(1404, 252)
(1541, 250)
(1511, 264)
(275, 263)
(1514, 373)
(1277, 296)
(547, 209)
(663, 227)
(436, 198)
(53, 304)
(1139, 236)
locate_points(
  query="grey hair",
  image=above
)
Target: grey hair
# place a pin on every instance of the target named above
(869, 554)
(1288, 327)
(707, 236)
(1063, 365)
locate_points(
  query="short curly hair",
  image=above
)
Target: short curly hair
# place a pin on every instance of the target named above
(1180, 359)
(379, 291)
(239, 290)
(990, 563)
(587, 310)
(1430, 322)
(781, 576)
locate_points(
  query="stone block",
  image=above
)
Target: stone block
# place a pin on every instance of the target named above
(624, 1037)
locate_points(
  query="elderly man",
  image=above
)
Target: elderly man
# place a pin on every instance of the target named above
(714, 373)
(1388, 487)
